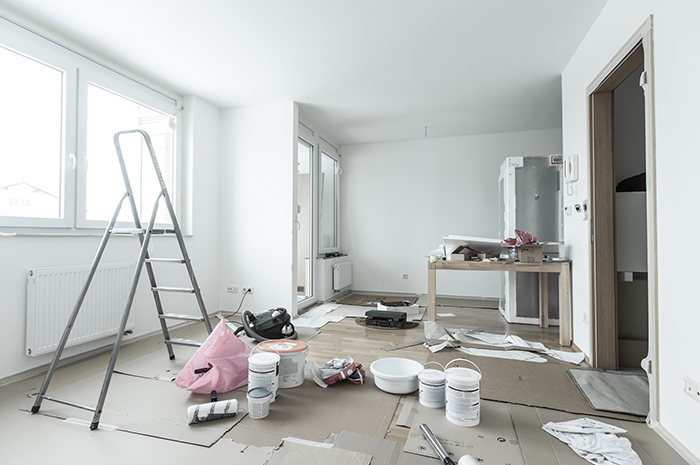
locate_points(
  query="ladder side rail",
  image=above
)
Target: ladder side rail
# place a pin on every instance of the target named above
(76, 309)
(178, 231)
(137, 221)
(122, 325)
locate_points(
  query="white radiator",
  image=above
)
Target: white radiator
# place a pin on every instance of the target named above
(342, 275)
(53, 292)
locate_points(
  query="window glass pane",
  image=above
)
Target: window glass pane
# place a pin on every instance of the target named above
(31, 129)
(328, 219)
(107, 114)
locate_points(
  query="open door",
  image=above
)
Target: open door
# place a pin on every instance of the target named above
(602, 188)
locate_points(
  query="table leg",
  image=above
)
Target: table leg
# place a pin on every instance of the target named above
(431, 292)
(544, 299)
(565, 305)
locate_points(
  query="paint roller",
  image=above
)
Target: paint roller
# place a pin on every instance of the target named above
(446, 460)
(213, 410)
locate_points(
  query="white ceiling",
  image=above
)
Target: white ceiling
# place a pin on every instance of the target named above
(362, 70)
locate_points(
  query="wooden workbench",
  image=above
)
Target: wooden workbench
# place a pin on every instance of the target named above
(563, 268)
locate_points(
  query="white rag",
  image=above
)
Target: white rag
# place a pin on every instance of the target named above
(595, 441)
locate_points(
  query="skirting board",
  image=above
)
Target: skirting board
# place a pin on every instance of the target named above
(675, 444)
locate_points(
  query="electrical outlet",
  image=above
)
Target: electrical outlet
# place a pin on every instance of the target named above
(405, 276)
(691, 388)
(585, 317)
(232, 289)
(247, 290)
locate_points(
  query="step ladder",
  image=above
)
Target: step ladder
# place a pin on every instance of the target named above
(144, 235)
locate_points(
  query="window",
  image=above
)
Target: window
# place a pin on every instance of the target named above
(60, 111)
(31, 136)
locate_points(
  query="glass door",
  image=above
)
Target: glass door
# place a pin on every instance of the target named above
(305, 249)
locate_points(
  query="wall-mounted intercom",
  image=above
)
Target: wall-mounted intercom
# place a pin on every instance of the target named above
(570, 172)
(571, 168)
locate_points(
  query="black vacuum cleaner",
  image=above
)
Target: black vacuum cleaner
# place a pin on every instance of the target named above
(271, 324)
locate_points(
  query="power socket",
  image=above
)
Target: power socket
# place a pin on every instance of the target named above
(691, 388)
(247, 290)
(232, 289)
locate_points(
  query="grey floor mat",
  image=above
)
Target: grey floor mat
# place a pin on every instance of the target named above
(613, 391)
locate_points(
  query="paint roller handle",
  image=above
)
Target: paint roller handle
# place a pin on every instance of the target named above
(436, 445)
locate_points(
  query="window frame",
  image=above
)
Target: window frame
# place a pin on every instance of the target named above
(80, 67)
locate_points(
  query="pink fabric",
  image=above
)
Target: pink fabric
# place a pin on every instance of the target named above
(521, 238)
(225, 355)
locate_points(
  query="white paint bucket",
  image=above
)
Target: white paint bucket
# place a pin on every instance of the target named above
(259, 402)
(292, 359)
(462, 398)
(431, 387)
(263, 371)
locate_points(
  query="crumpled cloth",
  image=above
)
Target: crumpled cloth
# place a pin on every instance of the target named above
(595, 441)
(335, 370)
(521, 238)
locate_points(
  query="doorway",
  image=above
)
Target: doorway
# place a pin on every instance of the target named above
(603, 206)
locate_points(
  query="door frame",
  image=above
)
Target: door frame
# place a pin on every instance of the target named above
(601, 190)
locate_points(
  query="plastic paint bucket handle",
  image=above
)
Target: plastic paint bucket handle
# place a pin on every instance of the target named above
(464, 360)
(436, 363)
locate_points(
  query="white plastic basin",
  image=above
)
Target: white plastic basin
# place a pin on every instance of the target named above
(396, 375)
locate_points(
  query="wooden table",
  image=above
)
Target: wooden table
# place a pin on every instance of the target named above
(563, 268)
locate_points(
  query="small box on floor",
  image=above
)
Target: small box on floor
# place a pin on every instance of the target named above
(385, 318)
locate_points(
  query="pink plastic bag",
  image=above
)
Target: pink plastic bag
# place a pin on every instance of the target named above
(221, 364)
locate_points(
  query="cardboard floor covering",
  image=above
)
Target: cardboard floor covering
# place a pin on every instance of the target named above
(545, 385)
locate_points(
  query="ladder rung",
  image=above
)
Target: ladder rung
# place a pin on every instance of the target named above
(165, 260)
(184, 342)
(127, 231)
(187, 290)
(162, 231)
(178, 316)
(67, 402)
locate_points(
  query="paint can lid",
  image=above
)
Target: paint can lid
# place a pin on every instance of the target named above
(259, 393)
(283, 346)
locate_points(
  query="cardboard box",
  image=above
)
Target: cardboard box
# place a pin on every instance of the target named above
(462, 253)
(531, 253)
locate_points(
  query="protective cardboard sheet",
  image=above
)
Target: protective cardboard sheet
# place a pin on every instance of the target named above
(293, 453)
(144, 406)
(492, 442)
(312, 412)
(541, 448)
(383, 452)
(545, 385)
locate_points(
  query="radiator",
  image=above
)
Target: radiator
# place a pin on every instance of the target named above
(53, 292)
(342, 275)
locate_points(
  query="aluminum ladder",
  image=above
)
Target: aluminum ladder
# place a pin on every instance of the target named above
(144, 235)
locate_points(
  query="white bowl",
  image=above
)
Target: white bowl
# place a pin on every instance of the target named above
(396, 375)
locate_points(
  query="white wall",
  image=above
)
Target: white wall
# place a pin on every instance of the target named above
(257, 206)
(677, 117)
(20, 253)
(399, 199)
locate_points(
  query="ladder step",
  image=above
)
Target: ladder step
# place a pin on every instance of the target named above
(178, 316)
(162, 231)
(165, 260)
(127, 231)
(184, 342)
(187, 290)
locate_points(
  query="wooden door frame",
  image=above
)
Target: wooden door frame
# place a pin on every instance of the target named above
(601, 190)
(602, 210)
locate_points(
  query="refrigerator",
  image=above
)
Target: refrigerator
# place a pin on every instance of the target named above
(531, 200)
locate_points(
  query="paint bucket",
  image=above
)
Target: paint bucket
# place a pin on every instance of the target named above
(462, 398)
(263, 371)
(292, 359)
(431, 386)
(259, 399)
